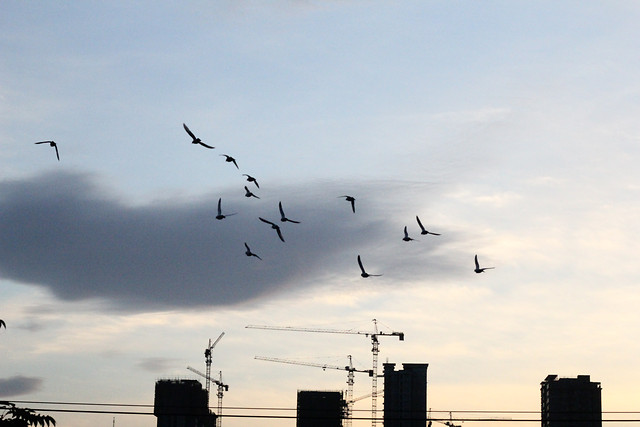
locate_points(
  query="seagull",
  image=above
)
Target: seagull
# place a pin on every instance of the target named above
(423, 229)
(478, 269)
(352, 200)
(220, 216)
(274, 226)
(406, 237)
(249, 253)
(230, 159)
(251, 179)
(3, 324)
(51, 144)
(195, 140)
(249, 193)
(364, 273)
(283, 218)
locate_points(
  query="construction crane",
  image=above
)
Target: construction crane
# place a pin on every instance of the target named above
(374, 349)
(350, 377)
(221, 389)
(208, 359)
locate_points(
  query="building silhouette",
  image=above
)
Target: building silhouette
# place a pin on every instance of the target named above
(182, 403)
(405, 395)
(320, 408)
(570, 402)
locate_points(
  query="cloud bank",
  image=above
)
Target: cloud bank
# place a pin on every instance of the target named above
(18, 385)
(61, 231)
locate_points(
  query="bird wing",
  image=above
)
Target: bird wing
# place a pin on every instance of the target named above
(360, 264)
(220, 206)
(405, 232)
(264, 220)
(281, 210)
(476, 260)
(234, 162)
(205, 145)
(353, 205)
(420, 223)
(279, 233)
(188, 131)
(247, 246)
(44, 142)
(57, 154)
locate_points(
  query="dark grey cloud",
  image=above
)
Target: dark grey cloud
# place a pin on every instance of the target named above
(63, 232)
(17, 385)
(157, 364)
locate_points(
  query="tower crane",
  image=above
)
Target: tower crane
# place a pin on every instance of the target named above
(208, 359)
(221, 389)
(374, 349)
(350, 380)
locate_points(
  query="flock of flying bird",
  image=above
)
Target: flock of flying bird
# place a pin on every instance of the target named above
(283, 217)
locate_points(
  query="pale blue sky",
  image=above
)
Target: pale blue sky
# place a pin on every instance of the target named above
(510, 127)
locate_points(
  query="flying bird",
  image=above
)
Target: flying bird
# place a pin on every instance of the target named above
(283, 217)
(251, 179)
(249, 253)
(51, 144)
(3, 324)
(478, 269)
(424, 231)
(364, 273)
(352, 200)
(248, 193)
(406, 237)
(220, 216)
(195, 140)
(274, 226)
(230, 160)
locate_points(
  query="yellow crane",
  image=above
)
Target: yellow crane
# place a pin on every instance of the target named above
(350, 377)
(374, 349)
(208, 358)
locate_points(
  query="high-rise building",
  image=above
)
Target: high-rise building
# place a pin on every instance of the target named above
(570, 402)
(182, 403)
(320, 408)
(405, 395)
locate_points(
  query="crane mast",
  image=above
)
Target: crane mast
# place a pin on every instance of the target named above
(375, 349)
(208, 359)
(350, 377)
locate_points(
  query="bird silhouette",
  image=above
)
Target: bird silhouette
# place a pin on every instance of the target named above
(230, 160)
(478, 269)
(249, 253)
(364, 273)
(248, 193)
(283, 218)
(352, 200)
(51, 144)
(220, 215)
(424, 231)
(251, 179)
(3, 324)
(406, 237)
(195, 140)
(274, 226)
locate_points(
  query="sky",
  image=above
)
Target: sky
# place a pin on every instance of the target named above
(509, 127)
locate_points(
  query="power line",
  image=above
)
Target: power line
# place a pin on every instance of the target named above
(462, 415)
